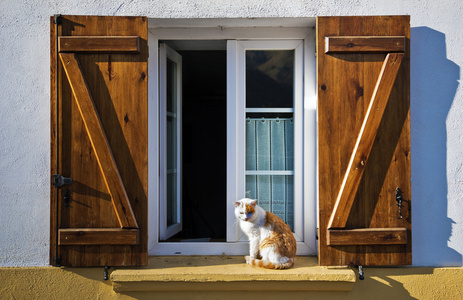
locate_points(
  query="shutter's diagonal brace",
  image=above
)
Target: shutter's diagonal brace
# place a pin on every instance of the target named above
(98, 140)
(365, 140)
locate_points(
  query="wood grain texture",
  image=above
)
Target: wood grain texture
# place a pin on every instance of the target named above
(105, 44)
(54, 168)
(98, 236)
(331, 135)
(367, 236)
(364, 44)
(366, 138)
(98, 140)
(346, 83)
(118, 86)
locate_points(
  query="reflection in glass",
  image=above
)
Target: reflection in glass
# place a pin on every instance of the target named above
(171, 143)
(269, 78)
(270, 131)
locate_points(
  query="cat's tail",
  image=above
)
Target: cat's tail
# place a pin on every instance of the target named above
(267, 264)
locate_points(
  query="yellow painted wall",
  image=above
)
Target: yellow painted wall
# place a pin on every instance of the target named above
(87, 283)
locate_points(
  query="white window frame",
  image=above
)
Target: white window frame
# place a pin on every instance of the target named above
(307, 244)
(236, 120)
(167, 53)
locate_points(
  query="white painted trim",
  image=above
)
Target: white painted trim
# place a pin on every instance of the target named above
(162, 140)
(233, 145)
(239, 248)
(240, 117)
(306, 112)
(241, 23)
(153, 144)
(270, 110)
(299, 222)
(310, 144)
(269, 172)
(231, 248)
(225, 33)
(165, 53)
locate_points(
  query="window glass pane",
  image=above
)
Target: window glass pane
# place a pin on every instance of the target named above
(270, 131)
(171, 143)
(171, 198)
(274, 194)
(269, 78)
(269, 143)
(171, 86)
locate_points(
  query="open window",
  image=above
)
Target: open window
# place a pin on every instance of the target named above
(196, 124)
(242, 123)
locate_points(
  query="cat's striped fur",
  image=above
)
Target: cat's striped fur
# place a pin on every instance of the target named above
(269, 237)
(267, 264)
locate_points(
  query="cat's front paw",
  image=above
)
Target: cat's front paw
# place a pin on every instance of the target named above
(248, 259)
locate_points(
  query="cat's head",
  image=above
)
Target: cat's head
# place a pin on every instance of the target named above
(245, 209)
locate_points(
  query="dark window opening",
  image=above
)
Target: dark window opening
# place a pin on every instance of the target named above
(204, 151)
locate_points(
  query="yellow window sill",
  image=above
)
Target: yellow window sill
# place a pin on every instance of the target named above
(222, 273)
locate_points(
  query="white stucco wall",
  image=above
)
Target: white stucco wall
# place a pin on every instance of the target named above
(436, 110)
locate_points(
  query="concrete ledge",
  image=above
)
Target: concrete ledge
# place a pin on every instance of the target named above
(229, 273)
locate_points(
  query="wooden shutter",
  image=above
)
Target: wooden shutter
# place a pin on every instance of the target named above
(364, 140)
(102, 141)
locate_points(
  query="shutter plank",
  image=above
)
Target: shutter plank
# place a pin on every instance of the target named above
(365, 141)
(353, 103)
(364, 44)
(376, 209)
(328, 134)
(368, 236)
(98, 236)
(399, 173)
(95, 44)
(99, 141)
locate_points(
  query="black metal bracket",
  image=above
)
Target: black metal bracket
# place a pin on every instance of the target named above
(59, 180)
(361, 277)
(399, 198)
(57, 19)
(106, 273)
(57, 261)
(67, 198)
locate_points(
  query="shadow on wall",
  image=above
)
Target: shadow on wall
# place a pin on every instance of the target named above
(434, 81)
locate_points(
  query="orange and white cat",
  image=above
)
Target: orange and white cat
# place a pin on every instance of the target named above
(269, 237)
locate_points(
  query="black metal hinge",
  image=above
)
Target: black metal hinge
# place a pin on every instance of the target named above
(57, 19)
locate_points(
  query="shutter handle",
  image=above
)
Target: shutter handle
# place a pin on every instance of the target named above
(67, 198)
(399, 198)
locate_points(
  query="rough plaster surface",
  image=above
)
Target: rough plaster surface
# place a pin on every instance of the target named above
(436, 110)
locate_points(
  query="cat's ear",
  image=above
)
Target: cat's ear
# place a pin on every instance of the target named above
(253, 202)
(236, 203)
